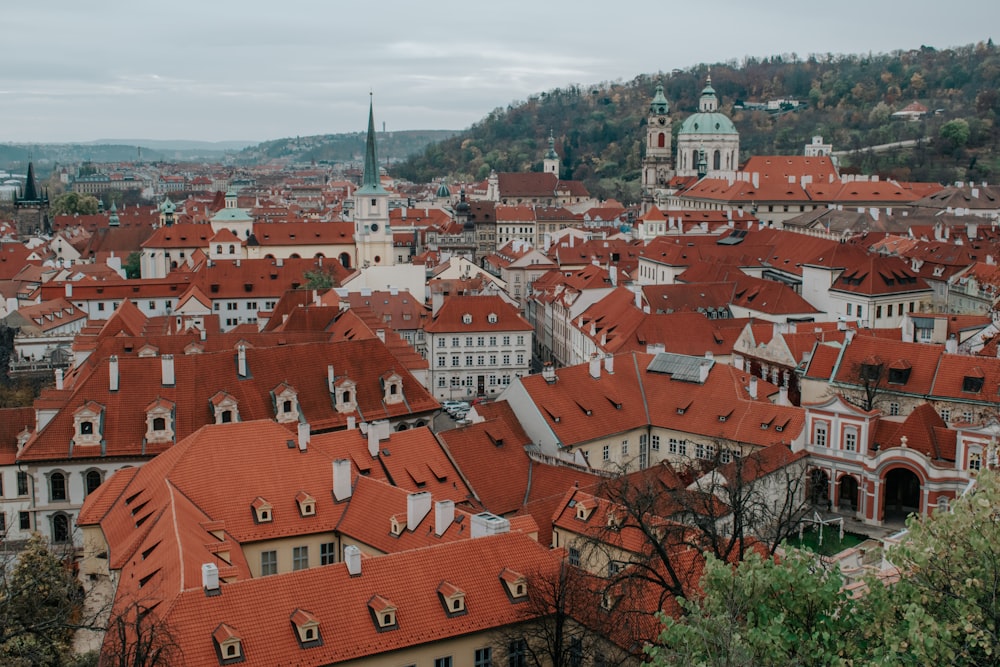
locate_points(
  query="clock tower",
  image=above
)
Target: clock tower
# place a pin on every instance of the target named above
(372, 234)
(657, 164)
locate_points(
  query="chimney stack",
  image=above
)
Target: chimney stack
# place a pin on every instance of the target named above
(210, 579)
(783, 396)
(951, 345)
(703, 370)
(738, 362)
(444, 515)
(753, 387)
(167, 366)
(330, 377)
(351, 423)
(595, 366)
(352, 557)
(241, 364)
(418, 505)
(112, 374)
(303, 436)
(341, 479)
(609, 364)
(373, 441)
(549, 372)
(69, 290)
(59, 378)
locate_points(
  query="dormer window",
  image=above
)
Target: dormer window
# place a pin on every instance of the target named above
(583, 511)
(467, 319)
(345, 396)
(263, 511)
(225, 409)
(392, 388)
(306, 629)
(306, 503)
(973, 383)
(515, 584)
(286, 404)
(452, 599)
(396, 526)
(492, 318)
(228, 645)
(383, 613)
(160, 421)
(88, 421)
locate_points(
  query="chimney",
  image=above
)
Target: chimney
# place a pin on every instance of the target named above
(381, 334)
(613, 274)
(69, 290)
(241, 364)
(210, 579)
(485, 523)
(167, 366)
(418, 505)
(112, 374)
(444, 515)
(738, 362)
(703, 370)
(709, 355)
(351, 423)
(330, 377)
(352, 557)
(783, 396)
(595, 366)
(549, 372)
(59, 378)
(341, 479)
(303, 436)
(204, 335)
(609, 364)
(638, 298)
(951, 345)
(753, 387)
(373, 441)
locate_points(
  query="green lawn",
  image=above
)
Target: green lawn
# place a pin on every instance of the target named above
(832, 543)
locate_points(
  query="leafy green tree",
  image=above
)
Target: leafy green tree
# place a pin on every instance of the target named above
(946, 608)
(763, 612)
(319, 280)
(955, 133)
(40, 606)
(73, 203)
(132, 266)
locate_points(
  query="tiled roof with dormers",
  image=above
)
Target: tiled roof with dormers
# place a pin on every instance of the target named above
(48, 315)
(200, 377)
(456, 311)
(304, 233)
(923, 430)
(185, 235)
(491, 456)
(373, 503)
(580, 408)
(922, 358)
(258, 611)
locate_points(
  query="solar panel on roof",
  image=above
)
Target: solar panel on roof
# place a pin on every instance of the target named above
(679, 366)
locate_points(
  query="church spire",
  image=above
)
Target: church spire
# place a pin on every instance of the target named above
(371, 181)
(30, 187)
(551, 154)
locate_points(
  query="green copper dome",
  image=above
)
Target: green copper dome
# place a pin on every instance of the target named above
(707, 122)
(659, 105)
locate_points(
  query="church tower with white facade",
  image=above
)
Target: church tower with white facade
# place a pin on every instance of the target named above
(657, 163)
(372, 234)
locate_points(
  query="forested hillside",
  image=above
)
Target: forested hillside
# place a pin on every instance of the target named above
(848, 99)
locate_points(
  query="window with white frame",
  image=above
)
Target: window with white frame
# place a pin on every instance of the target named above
(851, 438)
(893, 408)
(606, 453)
(655, 443)
(819, 433)
(975, 459)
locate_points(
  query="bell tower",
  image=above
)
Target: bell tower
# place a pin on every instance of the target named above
(657, 164)
(372, 234)
(550, 165)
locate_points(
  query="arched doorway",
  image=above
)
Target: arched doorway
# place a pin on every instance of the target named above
(902, 494)
(847, 498)
(819, 488)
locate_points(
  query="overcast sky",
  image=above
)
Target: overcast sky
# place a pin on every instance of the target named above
(218, 70)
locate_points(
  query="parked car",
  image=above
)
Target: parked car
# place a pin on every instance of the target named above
(460, 407)
(448, 405)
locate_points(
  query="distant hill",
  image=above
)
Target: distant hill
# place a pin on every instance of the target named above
(45, 156)
(848, 99)
(392, 146)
